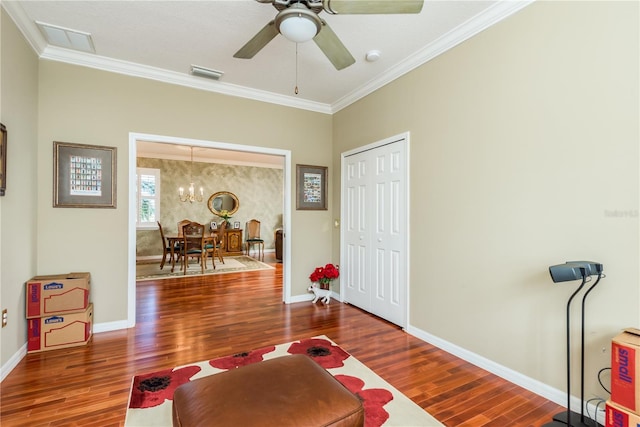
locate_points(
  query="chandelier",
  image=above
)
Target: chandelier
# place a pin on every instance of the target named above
(191, 196)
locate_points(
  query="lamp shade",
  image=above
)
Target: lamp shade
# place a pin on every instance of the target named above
(574, 270)
(297, 23)
(298, 29)
(567, 272)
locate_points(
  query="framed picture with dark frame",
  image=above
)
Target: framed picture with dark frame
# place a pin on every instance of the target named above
(3, 159)
(311, 187)
(236, 225)
(84, 176)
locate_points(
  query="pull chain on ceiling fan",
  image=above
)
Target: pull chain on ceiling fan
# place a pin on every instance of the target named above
(298, 21)
(296, 89)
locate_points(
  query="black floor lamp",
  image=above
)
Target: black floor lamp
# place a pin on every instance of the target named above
(575, 270)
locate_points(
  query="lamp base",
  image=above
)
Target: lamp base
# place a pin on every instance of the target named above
(576, 420)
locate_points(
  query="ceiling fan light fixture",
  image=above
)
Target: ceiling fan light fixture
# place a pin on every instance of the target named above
(298, 23)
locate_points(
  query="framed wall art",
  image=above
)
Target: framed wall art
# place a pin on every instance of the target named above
(3, 159)
(311, 187)
(84, 176)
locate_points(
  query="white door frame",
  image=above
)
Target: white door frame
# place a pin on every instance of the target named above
(343, 210)
(286, 214)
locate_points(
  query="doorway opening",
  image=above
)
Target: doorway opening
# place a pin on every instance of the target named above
(135, 138)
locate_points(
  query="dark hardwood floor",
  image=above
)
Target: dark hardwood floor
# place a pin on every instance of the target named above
(187, 320)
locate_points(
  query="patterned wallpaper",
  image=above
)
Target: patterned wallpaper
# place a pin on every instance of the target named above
(260, 191)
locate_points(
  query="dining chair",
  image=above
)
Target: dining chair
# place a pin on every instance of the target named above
(182, 224)
(215, 248)
(166, 249)
(193, 245)
(253, 238)
(212, 248)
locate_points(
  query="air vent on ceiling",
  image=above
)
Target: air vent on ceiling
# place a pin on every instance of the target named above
(206, 72)
(65, 37)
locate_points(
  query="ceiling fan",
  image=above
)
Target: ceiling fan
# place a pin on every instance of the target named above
(298, 21)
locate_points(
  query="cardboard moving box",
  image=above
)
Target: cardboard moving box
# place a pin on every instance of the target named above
(61, 331)
(61, 293)
(625, 370)
(619, 417)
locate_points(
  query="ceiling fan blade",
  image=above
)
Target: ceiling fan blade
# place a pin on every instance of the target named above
(260, 40)
(372, 6)
(333, 48)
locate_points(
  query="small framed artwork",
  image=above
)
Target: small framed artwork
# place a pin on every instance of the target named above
(3, 159)
(311, 187)
(236, 225)
(84, 176)
(214, 225)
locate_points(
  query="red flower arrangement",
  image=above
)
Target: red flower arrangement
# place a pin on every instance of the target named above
(324, 275)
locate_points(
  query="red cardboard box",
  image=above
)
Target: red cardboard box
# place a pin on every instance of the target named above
(619, 417)
(625, 370)
(61, 293)
(60, 331)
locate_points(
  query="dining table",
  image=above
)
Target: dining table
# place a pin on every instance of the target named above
(174, 240)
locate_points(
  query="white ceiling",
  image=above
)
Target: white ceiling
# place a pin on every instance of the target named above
(162, 39)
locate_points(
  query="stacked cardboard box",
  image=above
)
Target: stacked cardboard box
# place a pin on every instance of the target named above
(58, 310)
(623, 409)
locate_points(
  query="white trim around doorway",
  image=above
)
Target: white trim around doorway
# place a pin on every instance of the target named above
(286, 214)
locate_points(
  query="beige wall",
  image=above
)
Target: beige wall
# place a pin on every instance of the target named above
(95, 107)
(18, 108)
(259, 191)
(524, 144)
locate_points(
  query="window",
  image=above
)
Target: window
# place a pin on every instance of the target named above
(148, 197)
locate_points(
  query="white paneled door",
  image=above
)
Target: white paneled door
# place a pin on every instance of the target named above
(375, 228)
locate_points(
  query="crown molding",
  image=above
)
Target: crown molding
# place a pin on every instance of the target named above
(480, 22)
(28, 28)
(136, 70)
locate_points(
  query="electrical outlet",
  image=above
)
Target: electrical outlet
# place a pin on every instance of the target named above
(4, 317)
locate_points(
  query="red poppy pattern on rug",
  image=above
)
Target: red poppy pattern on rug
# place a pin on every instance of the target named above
(153, 389)
(323, 352)
(373, 399)
(241, 359)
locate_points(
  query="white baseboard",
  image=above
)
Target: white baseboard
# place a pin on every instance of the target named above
(110, 326)
(149, 258)
(550, 393)
(22, 352)
(13, 362)
(309, 297)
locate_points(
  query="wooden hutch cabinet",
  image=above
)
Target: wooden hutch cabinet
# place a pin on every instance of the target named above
(233, 242)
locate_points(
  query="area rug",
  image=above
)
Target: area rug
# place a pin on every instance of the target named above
(147, 271)
(150, 398)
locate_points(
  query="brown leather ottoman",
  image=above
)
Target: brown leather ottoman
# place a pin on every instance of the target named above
(285, 391)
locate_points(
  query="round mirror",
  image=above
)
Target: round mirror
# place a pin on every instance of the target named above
(223, 200)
